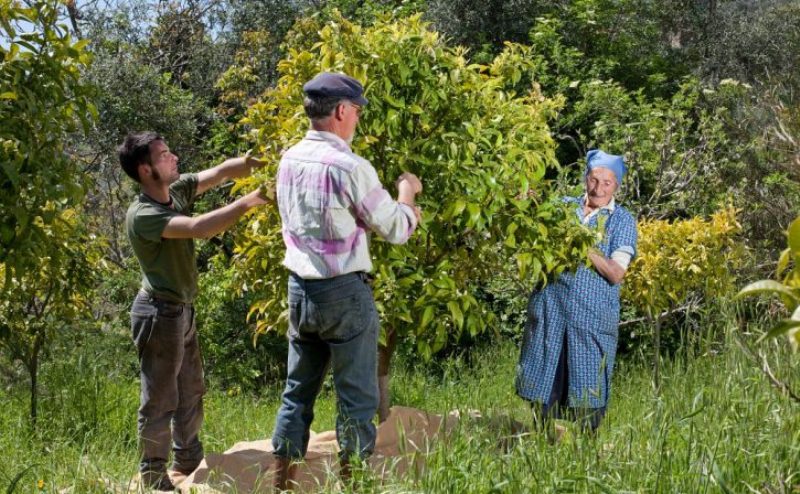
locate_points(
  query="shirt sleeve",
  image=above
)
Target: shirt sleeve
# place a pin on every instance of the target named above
(393, 221)
(185, 189)
(150, 221)
(622, 258)
(624, 237)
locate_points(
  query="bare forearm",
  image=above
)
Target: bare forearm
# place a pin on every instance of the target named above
(234, 168)
(209, 224)
(229, 169)
(607, 268)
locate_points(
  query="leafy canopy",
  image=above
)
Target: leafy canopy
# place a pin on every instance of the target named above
(42, 100)
(481, 149)
(680, 258)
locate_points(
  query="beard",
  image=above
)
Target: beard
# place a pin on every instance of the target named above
(349, 139)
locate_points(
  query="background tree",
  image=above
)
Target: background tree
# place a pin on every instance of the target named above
(42, 100)
(677, 261)
(54, 297)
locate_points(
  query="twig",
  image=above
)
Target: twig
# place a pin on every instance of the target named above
(686, 307)
(782, 386)
(774, 381)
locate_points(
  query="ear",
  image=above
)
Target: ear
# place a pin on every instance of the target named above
(338, 112)
(143, 169)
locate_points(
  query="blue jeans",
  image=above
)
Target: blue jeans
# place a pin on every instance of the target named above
(172, 385)
(332, 323)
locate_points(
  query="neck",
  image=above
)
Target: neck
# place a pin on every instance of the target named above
(156, 191)
(587, 208)
(329, 126)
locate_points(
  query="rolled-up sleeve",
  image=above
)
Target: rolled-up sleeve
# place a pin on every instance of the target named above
(374, 206)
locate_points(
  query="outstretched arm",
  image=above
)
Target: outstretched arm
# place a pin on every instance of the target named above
(209, 224)
(227, 170)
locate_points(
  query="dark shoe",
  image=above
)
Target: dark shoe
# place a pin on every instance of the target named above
(157, 481)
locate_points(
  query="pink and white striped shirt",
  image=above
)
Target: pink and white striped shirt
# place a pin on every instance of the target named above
(329, 200)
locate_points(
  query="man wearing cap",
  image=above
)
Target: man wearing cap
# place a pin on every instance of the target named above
(330, 200)
(570, 338)
(161, 232)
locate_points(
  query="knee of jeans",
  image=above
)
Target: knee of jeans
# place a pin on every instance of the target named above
(158, 404)
(192, 394)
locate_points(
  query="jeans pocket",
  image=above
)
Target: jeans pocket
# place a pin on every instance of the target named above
(169, 310)
(141, 330)
(295, 317)
(346, 318)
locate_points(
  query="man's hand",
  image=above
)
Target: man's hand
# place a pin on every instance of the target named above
(407, 180)
(252, 162)
(232, 168)
(268, 192)
(262, 195)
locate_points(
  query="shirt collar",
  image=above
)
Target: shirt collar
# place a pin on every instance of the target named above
(610, 207)
(336, 141)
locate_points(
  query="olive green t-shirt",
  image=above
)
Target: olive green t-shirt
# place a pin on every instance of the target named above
(169, 268)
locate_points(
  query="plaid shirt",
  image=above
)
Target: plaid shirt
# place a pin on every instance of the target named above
(329, 199)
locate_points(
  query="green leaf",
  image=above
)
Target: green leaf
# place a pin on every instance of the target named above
(455, 310)
(780, 329)
(794, 236)
(767, 286)
(427, 317)
(783, 262)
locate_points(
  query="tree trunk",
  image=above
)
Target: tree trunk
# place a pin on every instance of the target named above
(33, 370)
(385, 353)
(657, 353)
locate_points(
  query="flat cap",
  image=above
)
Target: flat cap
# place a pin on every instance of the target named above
(328, 84)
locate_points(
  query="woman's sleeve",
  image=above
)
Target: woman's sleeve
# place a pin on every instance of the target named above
(624, 235)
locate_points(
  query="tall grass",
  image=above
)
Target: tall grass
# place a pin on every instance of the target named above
(715, 426)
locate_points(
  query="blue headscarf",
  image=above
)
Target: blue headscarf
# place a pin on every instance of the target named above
(600, 159)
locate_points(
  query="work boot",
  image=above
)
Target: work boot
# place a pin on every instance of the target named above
(345, 469)
(157, 481)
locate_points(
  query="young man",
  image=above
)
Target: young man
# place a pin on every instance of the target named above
(329, 199)
(161, 231)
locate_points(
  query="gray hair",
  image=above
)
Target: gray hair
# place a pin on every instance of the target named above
(321, 107)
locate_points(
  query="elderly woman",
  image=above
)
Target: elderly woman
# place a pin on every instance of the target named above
(571, 334)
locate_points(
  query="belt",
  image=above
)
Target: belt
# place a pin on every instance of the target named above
(362, 275)
(160, 300)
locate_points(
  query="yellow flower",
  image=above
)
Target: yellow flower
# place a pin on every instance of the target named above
(40, 484)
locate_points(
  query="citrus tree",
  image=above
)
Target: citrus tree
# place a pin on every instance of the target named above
(678, 259)
(42, 101)
(55, 296)
(481, 150)
(44, 254)
(788, 288)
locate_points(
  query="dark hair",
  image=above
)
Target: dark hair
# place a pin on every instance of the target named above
(135, 150)
(319, 107)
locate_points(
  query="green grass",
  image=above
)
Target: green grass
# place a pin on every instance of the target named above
(716, 426)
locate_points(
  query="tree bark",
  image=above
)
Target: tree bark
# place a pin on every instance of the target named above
(385, 353)
(657, 354)
(34, 372)
(74, 15)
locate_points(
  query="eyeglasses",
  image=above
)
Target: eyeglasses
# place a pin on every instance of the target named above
(357, 107)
